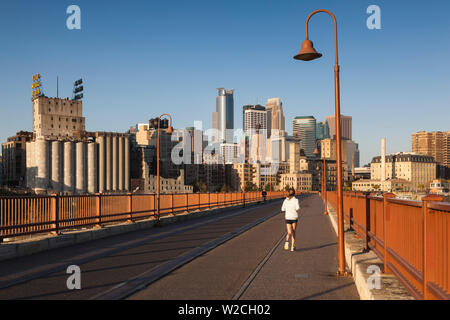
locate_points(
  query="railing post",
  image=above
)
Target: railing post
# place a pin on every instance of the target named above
(199, 201)
(98, 209)
(367, 224)
(386, 219)
(243, 197)
(130, 207)
(350, 220)
(209, 200)
(426, 255)
(171, 203)
(186, 198)
(154, 205)
(55, 213)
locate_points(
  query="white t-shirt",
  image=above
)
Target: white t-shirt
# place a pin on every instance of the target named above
(290, 206)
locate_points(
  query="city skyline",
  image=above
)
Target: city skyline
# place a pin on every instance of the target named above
(201, 151)
(127, 77)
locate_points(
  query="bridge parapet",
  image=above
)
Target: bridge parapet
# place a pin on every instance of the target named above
(410, 237)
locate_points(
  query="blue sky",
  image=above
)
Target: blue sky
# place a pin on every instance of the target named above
(139, 59)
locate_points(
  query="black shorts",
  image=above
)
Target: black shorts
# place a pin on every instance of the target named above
(291, 221)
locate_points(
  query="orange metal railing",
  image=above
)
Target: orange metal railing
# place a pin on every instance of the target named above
(410, 237)
(25, 215)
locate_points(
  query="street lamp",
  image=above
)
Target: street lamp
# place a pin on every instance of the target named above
(307, 53)
(169, 130)
(324, 178)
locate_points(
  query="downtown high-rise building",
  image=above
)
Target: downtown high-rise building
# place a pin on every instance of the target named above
(223, 117)
(304, 128)
(346, 127)
(322, 130)
(435, 144)
(275, 117)
(254, 117)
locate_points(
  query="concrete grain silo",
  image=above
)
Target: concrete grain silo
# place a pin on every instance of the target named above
(101, 163)
(127, 165)
(57, 172)
(92, 167)
(42, 161)
(113, 162)
(80, 175)
(121, 163)
(108, 159)
(115, 158)
(69, 166)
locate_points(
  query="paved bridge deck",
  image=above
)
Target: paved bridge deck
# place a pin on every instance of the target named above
(234, 255)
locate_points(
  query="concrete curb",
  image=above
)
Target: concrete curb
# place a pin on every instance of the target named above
(359, 262)
(48, 242)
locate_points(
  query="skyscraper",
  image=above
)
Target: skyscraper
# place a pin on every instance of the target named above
(223, 118)
(275, 116)
(435, 144)
(322, 130)
(305, 129)
(346, 127)
(254, 115)
(352, 155)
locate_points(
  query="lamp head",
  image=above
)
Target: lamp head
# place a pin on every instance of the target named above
(316, 152)
(307, 52)
(169, 130)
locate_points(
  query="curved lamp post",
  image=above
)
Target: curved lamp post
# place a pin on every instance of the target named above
(169, 130)
(324, 178)
(307, 53)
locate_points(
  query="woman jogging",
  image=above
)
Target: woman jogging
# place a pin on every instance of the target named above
(291, 207)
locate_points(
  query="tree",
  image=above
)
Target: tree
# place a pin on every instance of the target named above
(225, 188)
(269, 187)
(348, 186)
(200, 186)
(249, 186)
(376, 187)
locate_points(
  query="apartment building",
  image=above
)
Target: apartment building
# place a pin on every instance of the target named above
(418, 169)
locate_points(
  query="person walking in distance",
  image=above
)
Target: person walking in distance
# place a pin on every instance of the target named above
(291, 206)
